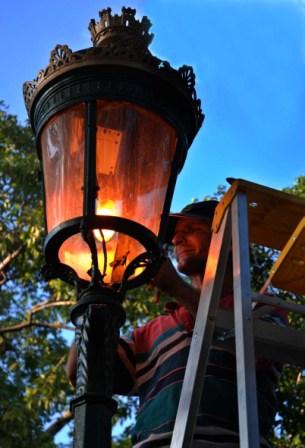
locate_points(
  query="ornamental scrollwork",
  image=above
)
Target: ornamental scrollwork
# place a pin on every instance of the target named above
(119, 39)
(188, 76)
(28, 89)
(60, 55)
(120, 25)
(95, 360)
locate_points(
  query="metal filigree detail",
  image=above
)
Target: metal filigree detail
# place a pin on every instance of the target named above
(188, 76)
(119, 40)
(118, 26)
(29, 88)
(60, 55)
(81, 339)
(96, 339)
(59, 270)
(113, 36)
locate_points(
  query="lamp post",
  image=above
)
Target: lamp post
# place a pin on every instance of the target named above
(113, 124)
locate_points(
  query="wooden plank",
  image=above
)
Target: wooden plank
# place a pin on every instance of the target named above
(207, 444)
(273, 214)
(288, 272)
(274, 301)
(282, 344)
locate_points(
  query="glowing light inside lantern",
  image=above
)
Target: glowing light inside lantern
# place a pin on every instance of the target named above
(82, 262)
(127, 137)
(106, 208)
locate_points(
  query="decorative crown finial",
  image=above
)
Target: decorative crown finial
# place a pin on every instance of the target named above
(118, 41)
(115, 27)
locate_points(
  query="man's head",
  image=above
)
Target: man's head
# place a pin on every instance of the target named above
(190, 233)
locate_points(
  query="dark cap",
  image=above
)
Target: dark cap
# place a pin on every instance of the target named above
(198, 210)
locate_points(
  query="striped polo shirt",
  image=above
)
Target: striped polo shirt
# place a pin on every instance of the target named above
(152, 365)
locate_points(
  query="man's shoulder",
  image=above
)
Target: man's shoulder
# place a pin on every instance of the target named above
(162, 327)
(158, 323)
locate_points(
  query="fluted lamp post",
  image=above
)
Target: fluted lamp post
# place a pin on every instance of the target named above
(113, 124)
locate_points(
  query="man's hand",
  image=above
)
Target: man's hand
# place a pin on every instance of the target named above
(172, 284)
(167, 279)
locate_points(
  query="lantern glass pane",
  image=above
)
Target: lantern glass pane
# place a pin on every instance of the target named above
(62, 143)
(75, 253)
(135, 150)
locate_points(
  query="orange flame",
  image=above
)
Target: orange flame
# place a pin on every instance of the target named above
(105, 208)
(82, 262)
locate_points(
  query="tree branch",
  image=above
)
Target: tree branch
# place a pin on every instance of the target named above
(55, 427)
(8, 260)
(41, 306)
(32, 323)
(29, 322)
(11, 257)
(50, 304)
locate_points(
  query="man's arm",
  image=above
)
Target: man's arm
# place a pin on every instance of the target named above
(71, 364)
(123, 378)
(171, 283)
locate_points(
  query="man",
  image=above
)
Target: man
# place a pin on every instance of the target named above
(151, 362)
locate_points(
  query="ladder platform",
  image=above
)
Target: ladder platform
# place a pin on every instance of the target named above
(280, 344)
(247, 213)
(288, 272)
(273, 214)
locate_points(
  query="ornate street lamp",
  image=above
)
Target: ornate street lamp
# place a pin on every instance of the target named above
(113, 124)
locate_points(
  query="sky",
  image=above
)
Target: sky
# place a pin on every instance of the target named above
(249, 60)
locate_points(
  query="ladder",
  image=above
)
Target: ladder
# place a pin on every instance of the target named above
(248, 212)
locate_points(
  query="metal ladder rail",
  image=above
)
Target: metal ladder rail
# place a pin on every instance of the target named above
(202, 337)
(243, 322)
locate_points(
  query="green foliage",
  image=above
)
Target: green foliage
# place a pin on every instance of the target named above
(125, 443)
(290, 431)
(34, 392)
(33, 387)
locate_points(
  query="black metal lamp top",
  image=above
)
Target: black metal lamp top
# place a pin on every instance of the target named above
(119, 40)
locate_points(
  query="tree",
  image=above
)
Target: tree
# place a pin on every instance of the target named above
(289, 426)
(34, 391)
(290, 430)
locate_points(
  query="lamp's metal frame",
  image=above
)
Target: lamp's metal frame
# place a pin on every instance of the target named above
(119, 67)
(59, 234)
(104, 85)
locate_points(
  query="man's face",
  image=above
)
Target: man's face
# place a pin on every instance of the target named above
(191, 244)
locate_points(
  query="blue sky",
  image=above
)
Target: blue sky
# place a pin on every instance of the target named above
(249, 58)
